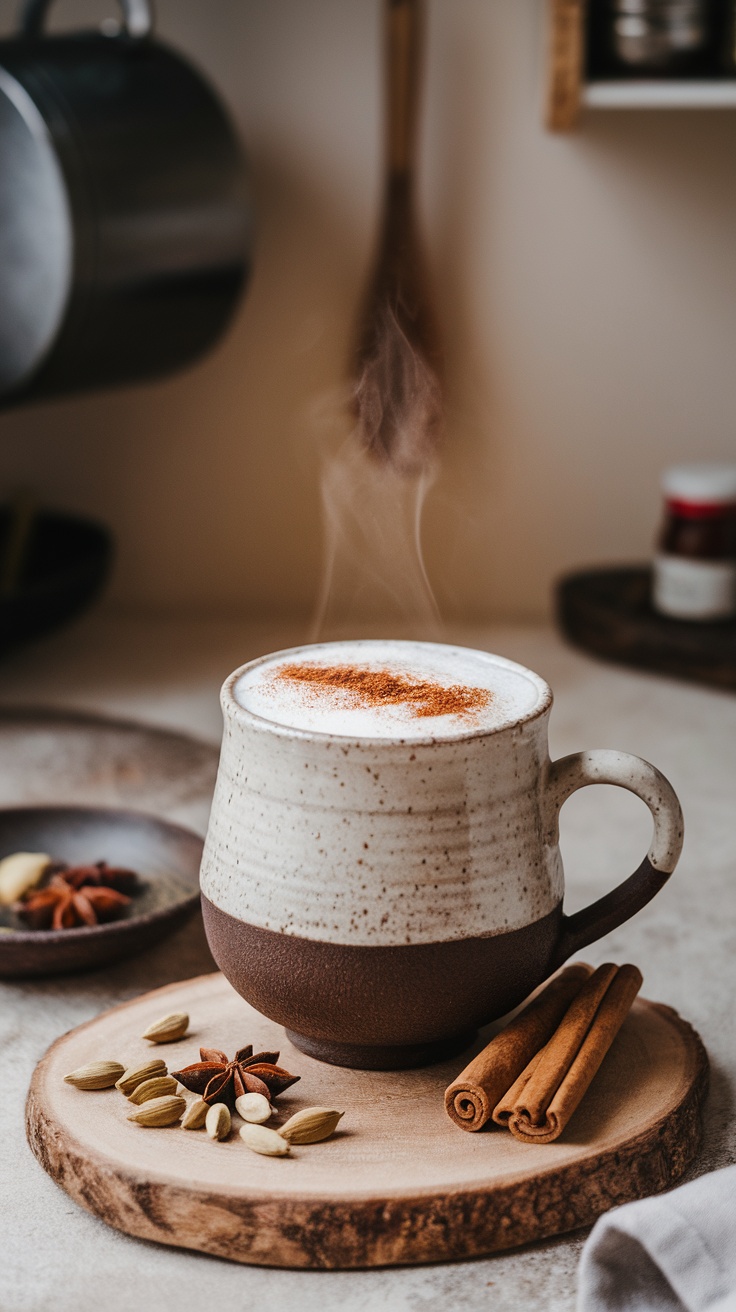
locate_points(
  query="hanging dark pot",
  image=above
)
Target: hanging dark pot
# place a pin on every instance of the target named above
(124, 216)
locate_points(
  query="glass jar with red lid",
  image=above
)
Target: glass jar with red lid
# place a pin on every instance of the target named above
(695, 564)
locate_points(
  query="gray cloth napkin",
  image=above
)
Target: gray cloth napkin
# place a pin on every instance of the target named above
(672, 1253)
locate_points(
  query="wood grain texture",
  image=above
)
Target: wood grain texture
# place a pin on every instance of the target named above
(565, 63)
(609, 612)
(399, 1184)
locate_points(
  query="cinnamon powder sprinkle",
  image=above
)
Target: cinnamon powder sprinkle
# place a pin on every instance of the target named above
(382, 688)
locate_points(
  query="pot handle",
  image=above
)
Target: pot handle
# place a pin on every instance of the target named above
(643, 779)
(137, 17)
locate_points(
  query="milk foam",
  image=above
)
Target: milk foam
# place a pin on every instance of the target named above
(513, 691)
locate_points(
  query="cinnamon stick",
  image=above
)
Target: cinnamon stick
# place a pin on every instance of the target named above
(471, 1098)
(538, 1106)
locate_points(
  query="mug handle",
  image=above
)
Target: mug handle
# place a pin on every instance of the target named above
(639, 777)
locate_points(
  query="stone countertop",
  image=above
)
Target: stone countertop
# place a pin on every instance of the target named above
(168, 672)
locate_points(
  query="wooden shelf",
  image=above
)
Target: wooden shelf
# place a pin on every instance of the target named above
(568, 93)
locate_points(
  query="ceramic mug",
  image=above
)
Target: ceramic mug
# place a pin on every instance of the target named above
(382, 897)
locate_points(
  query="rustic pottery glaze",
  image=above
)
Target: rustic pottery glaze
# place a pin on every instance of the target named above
(383, 897)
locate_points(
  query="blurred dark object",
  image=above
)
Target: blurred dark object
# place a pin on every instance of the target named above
(653, 38)
(124, 216)
(727, 38)
(52, 566)
(609, 613)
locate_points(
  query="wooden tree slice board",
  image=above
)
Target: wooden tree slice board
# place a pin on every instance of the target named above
(609, 612)
(399, 1184)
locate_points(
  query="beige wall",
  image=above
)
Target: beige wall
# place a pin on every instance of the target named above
(586, 286)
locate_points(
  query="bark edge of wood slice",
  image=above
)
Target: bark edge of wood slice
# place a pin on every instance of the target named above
(399, 1184)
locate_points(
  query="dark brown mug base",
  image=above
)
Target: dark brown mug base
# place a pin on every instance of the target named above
(376, 1057)
(381, 1008)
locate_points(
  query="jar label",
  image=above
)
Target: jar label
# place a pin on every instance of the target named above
(694, 589)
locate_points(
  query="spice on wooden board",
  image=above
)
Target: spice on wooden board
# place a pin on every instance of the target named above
(311, 1125)
(471, 1098)
(155, 1094)
(95, 1075)
(254, 1107)
(195, 1115)
(217, 1121)
(132, 1076)
(216, 1079)
(159, 1112)
(262, 1140)
(157, 1087)
(384, 688)
(168, 1029)
(539, 1105)
(533, 1075)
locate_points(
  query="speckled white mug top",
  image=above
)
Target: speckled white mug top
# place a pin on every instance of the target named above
(498, 693)
(341, 819)
(372, 825)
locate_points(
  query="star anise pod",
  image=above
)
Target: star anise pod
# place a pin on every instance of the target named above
(61, 906)
(216, 1079)
(101, 875)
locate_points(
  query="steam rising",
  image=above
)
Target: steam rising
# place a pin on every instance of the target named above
(373, 491)
(373, 576)
(398, 399)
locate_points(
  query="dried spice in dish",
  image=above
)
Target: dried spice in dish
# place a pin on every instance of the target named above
(77, 896)
(61, 906)
(100, 874)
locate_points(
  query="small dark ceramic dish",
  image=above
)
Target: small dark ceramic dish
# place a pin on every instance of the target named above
(165, 855)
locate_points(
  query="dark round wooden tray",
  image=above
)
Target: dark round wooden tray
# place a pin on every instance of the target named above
(609, 612)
